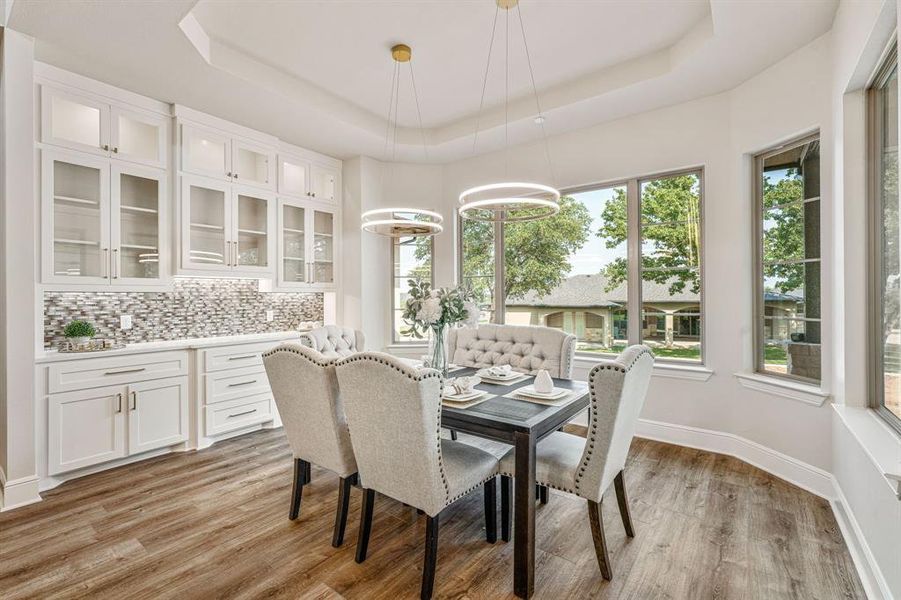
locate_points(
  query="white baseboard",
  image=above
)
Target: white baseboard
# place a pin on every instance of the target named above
(813, 479)
(20, 492)
(868, 570)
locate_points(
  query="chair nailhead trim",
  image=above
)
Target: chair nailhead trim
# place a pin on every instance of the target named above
(546, 484)
(319, 362)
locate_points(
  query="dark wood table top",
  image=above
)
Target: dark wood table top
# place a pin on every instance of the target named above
(500, 417)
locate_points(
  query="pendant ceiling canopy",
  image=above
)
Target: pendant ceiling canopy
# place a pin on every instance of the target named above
(400, 222)
(510, 200)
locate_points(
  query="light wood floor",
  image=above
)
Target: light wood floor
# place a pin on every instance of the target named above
(213, 524)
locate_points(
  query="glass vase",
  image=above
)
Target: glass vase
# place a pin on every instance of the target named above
(438, 348)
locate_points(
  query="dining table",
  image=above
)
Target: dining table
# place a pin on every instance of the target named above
(522, 423)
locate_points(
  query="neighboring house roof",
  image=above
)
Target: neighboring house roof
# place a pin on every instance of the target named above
(769, 296)
(590, 290)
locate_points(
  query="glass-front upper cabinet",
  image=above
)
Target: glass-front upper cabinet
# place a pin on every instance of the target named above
(76, 204)
(253, 164)
(205, 152)
(253, 212)
(293, 177)
(292, 222)
(139, 137)
(323, 183)
(323, 251)
(74, 121)
(138, 209)
(206, 218)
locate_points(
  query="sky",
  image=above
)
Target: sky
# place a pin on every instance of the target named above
(594, 254)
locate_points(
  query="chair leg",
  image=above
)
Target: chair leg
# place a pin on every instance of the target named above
(491, 510)
(542, 493)
(600, 543)
(300, 479)
(309, 473)
(344, 485)
(506, 513)
(431, 557)
(623, 500)
(453, 435)
(365, 524)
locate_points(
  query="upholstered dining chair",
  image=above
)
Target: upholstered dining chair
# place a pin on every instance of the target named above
(526, 348)
(333, 341)
(305, 389)
(587, 467)
(394, 415)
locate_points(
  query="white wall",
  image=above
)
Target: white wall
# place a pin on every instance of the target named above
(17, 277)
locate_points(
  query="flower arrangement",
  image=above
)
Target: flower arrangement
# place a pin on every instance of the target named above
(428, 308)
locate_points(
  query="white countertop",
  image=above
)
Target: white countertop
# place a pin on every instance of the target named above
(185, 344)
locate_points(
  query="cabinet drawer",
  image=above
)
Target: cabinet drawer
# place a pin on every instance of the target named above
(97, 372)
(236, 383)
(232, 357)
(229, 416)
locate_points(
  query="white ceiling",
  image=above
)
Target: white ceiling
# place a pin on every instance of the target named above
(317, 73)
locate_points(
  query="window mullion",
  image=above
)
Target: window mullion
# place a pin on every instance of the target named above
(633, 246)
(499, 273)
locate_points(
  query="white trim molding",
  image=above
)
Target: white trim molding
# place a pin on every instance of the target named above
(805, 476)
(582, 365)
(793, 390)
(16, 493)
(879, 442)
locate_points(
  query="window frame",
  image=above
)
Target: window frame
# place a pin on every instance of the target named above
(393, 280)
(633, 258)
(875, 363)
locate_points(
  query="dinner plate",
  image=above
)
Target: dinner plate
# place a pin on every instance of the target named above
(453, 397)
(529, 390)
(484, 374)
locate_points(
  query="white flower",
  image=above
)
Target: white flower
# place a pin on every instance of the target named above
(472, 314)
(430, 311)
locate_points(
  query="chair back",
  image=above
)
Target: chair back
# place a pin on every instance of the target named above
(618, 388)
(306, 392)
(333, 341)
(526, 348)
(394, 414)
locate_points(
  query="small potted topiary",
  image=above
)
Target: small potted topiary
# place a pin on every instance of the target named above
(79, 333)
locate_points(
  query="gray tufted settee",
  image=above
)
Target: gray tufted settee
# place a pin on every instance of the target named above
(333, 341)
(525, 348)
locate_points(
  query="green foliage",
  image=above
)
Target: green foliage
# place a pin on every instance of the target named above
(426, 308)
(670, 215)
(79, 329)
(784, 236)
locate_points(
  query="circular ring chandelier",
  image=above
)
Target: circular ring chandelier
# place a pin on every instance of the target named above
(510, 201)
(513, 201)
(402, 222)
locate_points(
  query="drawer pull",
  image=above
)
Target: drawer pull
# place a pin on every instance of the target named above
(134, 401)
(119, 402)
(138, 370)
(242, 357)
(241, 414)
(242, 383)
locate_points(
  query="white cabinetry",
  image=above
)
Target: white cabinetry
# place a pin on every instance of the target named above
(308, 237)
(213, 153)
(300, 178)
(103, 220)
(102, 409)
(92, 124)
(226, 228)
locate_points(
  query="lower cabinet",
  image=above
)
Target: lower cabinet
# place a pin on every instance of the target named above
(93, 426)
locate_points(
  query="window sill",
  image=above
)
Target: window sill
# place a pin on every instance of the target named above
(793, 390)
(661, 369)
(880, 443)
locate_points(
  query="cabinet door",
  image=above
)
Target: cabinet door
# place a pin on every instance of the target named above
(86, 428)
(74, 121)
(139, 137)
(323, 228)
(75, 220)
(293, 177)
(253, 164)
(205, 152)
(254, 223)
(205, 224)
(138, 212)
(293, 268)
(323, 183)
(157, 414)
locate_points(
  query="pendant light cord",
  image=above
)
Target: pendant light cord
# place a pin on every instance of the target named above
(547, 151)
(506, 92)
(425, 149)
(475, 136)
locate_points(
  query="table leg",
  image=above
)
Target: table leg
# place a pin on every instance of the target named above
(524, 517)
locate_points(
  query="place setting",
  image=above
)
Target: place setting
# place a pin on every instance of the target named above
(460, 392)
(542, 391)
(501, 375)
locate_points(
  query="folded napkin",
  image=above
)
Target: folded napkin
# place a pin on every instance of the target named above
(500, 370)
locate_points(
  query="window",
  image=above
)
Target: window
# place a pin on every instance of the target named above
(572, 271)
(411, 258)
(885, 269)
(787, 306)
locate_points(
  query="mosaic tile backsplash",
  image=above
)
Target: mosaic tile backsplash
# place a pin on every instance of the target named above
(195, 308)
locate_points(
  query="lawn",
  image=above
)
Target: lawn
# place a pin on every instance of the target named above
(692, 353)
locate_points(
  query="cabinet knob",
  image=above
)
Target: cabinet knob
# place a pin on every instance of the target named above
(229, 174)
(105, 146)
(116, 149)
(236, 175)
